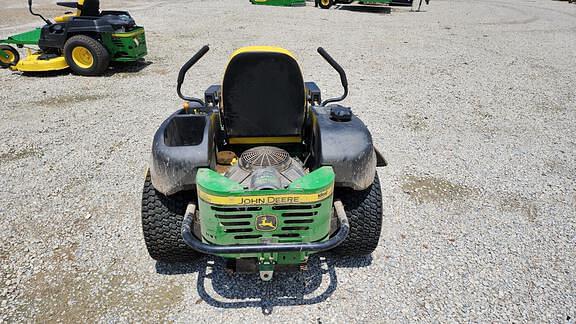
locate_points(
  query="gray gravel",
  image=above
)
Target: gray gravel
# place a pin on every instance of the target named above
(472, 102)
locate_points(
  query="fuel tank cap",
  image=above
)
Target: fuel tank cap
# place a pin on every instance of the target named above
(340, 113)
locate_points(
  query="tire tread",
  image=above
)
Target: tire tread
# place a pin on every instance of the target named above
(161, 224)
(99, 52)
(364, 211)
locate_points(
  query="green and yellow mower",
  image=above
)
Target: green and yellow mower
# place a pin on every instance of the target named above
(262, 171)
(282, 3)
(86, 40)
(326, 4)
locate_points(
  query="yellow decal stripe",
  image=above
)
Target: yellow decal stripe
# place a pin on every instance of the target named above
(283, 199)
(131, 34)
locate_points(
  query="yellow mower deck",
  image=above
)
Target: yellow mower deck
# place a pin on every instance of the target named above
(32, 63)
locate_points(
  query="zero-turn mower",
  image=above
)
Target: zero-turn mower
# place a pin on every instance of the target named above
(261, 171)
(326, 4)
(284, 3)
(86, 40)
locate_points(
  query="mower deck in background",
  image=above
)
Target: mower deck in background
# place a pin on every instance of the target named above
(86, 41)
(261, 171)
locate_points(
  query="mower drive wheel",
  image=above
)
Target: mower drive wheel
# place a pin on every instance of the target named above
(326, 4)
(13, 56)
(364, 211)
(86, 56)
(162, 224)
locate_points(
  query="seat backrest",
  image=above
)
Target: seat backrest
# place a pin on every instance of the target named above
(263, 96)
(86, 8)
(89, 8)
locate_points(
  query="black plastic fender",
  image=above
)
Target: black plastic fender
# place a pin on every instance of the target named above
(346, 145)
(181, 145)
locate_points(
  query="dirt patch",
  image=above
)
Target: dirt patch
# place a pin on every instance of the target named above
(77, 297)
(431, 189)
(58, 101)
(513, 203)
(416, 123)
(65, 253)
(13, 155)
(161, 71)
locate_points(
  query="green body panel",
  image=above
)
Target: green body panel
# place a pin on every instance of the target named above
(126, 47)
(28, 38)
(235, 222)
(214, 183)
(284, 3)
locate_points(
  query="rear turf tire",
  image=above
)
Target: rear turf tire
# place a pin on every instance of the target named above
(13, 58)
(95, 60)
(364, 212)
(162, 224)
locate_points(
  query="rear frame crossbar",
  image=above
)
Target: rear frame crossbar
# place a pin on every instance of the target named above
(334, 241)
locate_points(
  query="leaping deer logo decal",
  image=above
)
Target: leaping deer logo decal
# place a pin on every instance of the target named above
(266, 223)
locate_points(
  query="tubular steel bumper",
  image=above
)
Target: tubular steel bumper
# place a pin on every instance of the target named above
(205, 248)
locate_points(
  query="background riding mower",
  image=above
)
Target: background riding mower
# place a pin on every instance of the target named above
(285, 3)
(262, 172)
(326, 4)
(86, 41)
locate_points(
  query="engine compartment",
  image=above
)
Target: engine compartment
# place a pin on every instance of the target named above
(263, 168)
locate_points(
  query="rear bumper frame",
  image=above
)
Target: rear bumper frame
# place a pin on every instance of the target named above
(334, 241)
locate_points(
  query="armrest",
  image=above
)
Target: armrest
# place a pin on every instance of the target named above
(313, 94)
(212, 95)
(68, 4)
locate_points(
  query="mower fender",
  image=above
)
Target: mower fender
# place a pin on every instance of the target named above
(380, 160)
(346, 145)
(182, 144)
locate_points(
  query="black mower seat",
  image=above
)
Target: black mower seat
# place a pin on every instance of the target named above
(84, 8)
(263, 96)
(89, 8)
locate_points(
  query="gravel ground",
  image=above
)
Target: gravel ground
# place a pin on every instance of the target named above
(472, 102)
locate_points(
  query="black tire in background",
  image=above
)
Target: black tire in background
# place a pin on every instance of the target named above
(405, 3)
(364, 212)
(325, 4)
(100, 55)
(13, 60)
(162, 225)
